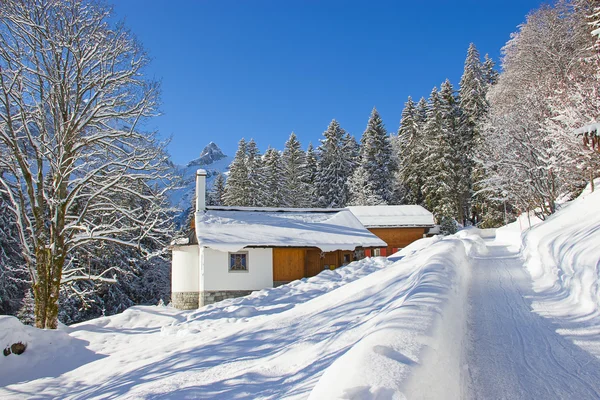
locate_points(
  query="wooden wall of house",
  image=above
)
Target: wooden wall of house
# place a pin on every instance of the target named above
(288, 264)
(296, 263)
(397, 238)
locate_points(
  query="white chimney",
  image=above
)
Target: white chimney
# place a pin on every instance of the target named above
(200, 190)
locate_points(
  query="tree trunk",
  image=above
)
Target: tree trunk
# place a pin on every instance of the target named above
(46, 289)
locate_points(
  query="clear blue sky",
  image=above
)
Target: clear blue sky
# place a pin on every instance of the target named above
(262, 69)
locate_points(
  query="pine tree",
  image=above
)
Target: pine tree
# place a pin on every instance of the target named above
(456, 160)
(255, 182)
(311, 175)
(26, 313)
(473, 87)
(490, 75)
(333, 168)
(372, 182)
(352, 150)
(294, 174)
(217, 192)
(273, 178)
(435, 187)
(236, 187)
(408, 147)
(475, 82)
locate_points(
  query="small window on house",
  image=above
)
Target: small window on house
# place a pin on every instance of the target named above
(376, 252)
(359, 254)
(346, 259)
(238, 262)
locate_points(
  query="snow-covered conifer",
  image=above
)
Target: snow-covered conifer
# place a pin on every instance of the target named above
(489, 73)
(436, 185)
(311, 174)
(272, 176)
(409, 148)
(254, 182)
(373, 181)
(236, 186)
(295, 188)
(217, 192)
(333, 167)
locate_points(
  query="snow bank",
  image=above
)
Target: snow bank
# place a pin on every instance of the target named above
(43, 347)
(415, 247)
(417, 334)
(273, 300)
(563, 255)
(563, 258)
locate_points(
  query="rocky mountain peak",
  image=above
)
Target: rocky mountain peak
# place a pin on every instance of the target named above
(209, 155)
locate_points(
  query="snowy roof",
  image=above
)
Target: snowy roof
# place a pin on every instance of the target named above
(233, 228)
(392, 216)
(588, 129)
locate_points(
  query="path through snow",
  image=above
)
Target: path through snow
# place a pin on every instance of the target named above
(513, 352)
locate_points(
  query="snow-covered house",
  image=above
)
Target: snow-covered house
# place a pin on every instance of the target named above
(398, 226)
(235, 250)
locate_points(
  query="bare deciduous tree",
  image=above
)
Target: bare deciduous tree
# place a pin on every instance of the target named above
(75, 167)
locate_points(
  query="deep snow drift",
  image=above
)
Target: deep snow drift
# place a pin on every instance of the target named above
(309, 336)
(562, 256)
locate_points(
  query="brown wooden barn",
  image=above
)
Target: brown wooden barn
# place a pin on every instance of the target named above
(398, 226)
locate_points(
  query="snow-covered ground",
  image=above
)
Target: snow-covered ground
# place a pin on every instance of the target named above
(358, 330)
(563, 258)
(444, 318)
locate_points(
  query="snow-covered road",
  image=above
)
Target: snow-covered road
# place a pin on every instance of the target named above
(512, 352)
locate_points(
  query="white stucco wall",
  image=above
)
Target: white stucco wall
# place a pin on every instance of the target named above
(185, 271)
(215, 273)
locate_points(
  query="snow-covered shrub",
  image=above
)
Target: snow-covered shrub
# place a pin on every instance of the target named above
(448, 226)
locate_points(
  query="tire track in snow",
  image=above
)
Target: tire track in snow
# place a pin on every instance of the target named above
(514, 353)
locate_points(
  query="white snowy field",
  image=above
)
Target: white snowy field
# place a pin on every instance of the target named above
(445, 318)
(359, 331)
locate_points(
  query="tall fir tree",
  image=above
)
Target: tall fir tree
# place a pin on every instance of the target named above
(255, 182)
(456, 159)
(217, 193)
(435, 186)
(409, 152)
(273, 178)
(236, 187)
(333, 168)
(293, 160)
(372, 182)
(311, 175)
(490, 74)
(474, 84)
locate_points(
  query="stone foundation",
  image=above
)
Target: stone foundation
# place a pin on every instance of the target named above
(214, 296)
(185, 300)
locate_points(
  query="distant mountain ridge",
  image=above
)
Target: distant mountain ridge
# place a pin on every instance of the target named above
(213, 160)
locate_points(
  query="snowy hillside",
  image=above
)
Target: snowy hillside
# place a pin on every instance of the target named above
(212, 160)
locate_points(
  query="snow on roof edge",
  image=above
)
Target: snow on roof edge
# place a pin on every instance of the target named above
(232, 229)
(274, 209)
